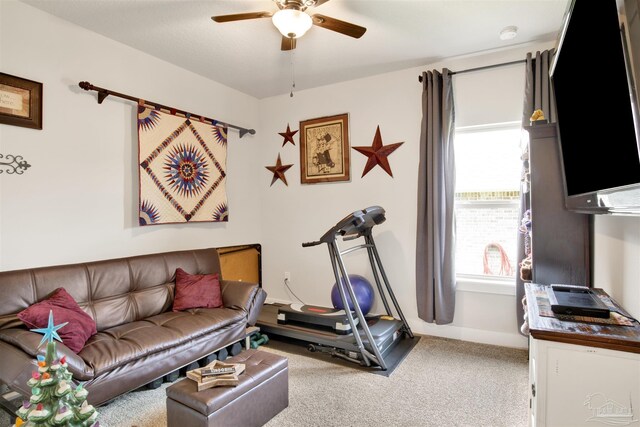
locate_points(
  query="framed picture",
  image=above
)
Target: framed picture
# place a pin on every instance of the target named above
(324, 149)
(20, 102)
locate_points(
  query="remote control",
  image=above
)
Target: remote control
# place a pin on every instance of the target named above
(217, 371)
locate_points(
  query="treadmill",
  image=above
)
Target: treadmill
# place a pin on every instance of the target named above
(368, 339)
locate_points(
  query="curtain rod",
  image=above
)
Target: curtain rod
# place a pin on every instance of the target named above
(482, 68)
(103, 93)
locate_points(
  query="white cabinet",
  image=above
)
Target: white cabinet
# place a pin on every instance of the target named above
(581, 374)
(577, 385)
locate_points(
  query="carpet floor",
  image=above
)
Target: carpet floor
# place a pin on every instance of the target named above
(441, 382)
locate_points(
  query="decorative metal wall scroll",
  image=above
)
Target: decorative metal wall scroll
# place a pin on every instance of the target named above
(13, 164)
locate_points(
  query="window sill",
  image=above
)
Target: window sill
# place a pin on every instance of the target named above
(486, 286)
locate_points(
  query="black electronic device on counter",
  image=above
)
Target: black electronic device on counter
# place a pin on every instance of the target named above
(576, 301)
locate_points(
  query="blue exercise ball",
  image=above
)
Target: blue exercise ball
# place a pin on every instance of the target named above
(361, 288)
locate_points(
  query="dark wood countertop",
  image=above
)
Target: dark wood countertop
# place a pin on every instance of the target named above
(613, 337)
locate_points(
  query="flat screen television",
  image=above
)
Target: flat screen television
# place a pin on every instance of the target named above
(595, 76)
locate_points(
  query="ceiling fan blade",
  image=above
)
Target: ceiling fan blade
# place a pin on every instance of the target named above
(320, 2)
(333, 24)
(242, 16)
(288, 43)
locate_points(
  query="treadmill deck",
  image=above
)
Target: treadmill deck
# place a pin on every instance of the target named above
(385, 333)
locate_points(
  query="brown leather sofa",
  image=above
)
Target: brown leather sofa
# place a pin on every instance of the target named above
(139, 338)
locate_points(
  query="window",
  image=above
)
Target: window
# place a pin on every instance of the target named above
(487, 199)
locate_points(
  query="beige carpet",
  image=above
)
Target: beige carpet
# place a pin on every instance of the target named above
(441, 382)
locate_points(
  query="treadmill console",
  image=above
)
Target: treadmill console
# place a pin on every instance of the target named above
(356, 224)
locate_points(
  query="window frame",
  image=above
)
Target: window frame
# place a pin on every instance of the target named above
(478, 282)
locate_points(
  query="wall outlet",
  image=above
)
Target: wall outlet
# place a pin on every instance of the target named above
(287, 276)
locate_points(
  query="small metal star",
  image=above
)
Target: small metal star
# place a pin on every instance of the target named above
(288, 135)
(377, 154)
(278, 171)
(51, 331)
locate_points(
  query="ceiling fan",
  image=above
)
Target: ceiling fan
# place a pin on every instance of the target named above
(293, 21)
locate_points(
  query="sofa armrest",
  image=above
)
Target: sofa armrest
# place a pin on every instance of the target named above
(16, 368)
(245, 296)
(27, 342)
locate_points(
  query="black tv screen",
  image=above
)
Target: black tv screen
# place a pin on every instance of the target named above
(594, 101)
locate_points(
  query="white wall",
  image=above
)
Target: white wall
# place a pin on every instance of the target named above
(297, 213)
(617, 259)
(78, 201)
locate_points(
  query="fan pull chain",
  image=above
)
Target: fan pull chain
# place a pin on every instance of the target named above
(293, 74)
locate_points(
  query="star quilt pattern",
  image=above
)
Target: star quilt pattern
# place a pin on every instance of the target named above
(182, 168)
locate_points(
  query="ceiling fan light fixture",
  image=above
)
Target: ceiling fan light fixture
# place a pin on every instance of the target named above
(292, 22)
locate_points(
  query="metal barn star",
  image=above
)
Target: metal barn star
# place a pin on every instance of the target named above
(377, 154)
(288, 135)
(51, 331)
(278, 171)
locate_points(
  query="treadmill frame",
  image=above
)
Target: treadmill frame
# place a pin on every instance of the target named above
(366, 348)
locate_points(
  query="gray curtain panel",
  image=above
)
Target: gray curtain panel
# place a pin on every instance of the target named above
(537, 90)
(537, 96)
(435, 246)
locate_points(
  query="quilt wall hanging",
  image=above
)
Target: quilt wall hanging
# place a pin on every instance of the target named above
(182, 168)
(182, 162)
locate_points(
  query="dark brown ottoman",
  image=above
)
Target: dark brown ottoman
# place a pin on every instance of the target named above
(262, 393)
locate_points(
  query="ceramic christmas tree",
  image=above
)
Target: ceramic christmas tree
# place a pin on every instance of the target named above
(55, 400)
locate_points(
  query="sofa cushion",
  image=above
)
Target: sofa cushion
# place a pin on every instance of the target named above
(80, 326)
(122, 344)
(196, 291)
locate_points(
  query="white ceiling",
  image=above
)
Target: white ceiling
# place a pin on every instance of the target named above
(246, 55)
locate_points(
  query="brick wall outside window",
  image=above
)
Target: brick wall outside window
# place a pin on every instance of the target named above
(484, 218)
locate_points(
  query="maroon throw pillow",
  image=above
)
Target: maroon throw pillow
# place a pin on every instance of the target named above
(196, 291)
(65, 309)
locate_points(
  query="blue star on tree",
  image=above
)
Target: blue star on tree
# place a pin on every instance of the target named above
(51, 331)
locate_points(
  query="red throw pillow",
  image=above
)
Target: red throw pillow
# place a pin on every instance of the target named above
(65, 309)
(196, 291)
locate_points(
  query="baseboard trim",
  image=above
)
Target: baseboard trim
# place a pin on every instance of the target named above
(503, 339)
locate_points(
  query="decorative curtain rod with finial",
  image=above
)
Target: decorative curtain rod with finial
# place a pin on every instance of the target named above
(103, 93)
